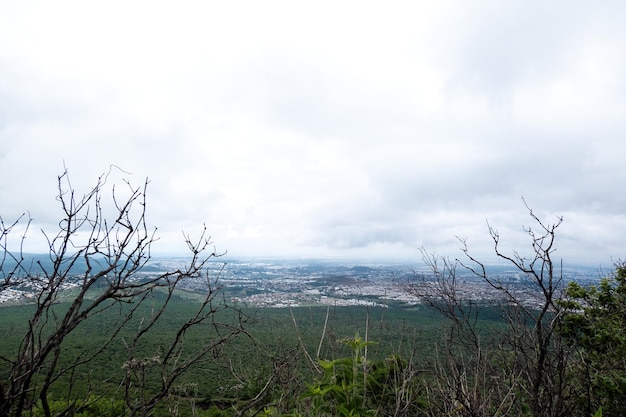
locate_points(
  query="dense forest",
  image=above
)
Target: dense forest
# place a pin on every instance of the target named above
(100, 338)
(285, 347)
(318, 360)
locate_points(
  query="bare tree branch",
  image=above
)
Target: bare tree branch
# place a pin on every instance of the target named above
(99, 251)
(530, 356)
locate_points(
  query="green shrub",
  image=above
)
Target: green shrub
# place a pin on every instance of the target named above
(100, 407)
(356, 386)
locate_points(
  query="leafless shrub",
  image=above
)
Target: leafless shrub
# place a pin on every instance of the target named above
(99, 249)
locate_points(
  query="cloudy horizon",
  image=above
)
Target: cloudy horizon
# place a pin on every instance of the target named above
(326, 129)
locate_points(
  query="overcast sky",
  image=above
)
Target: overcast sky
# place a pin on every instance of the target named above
(343, 129)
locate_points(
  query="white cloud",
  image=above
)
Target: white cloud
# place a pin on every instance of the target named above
(324, 129)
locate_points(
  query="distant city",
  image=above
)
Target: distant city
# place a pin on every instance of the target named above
(293, 283)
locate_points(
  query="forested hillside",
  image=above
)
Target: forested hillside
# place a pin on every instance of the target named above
(102, 334)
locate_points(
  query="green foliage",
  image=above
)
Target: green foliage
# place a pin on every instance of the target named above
(100, 407)
(214, 411)
(356, 386)
(397, 331)
(595, 323)
(343, 386)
